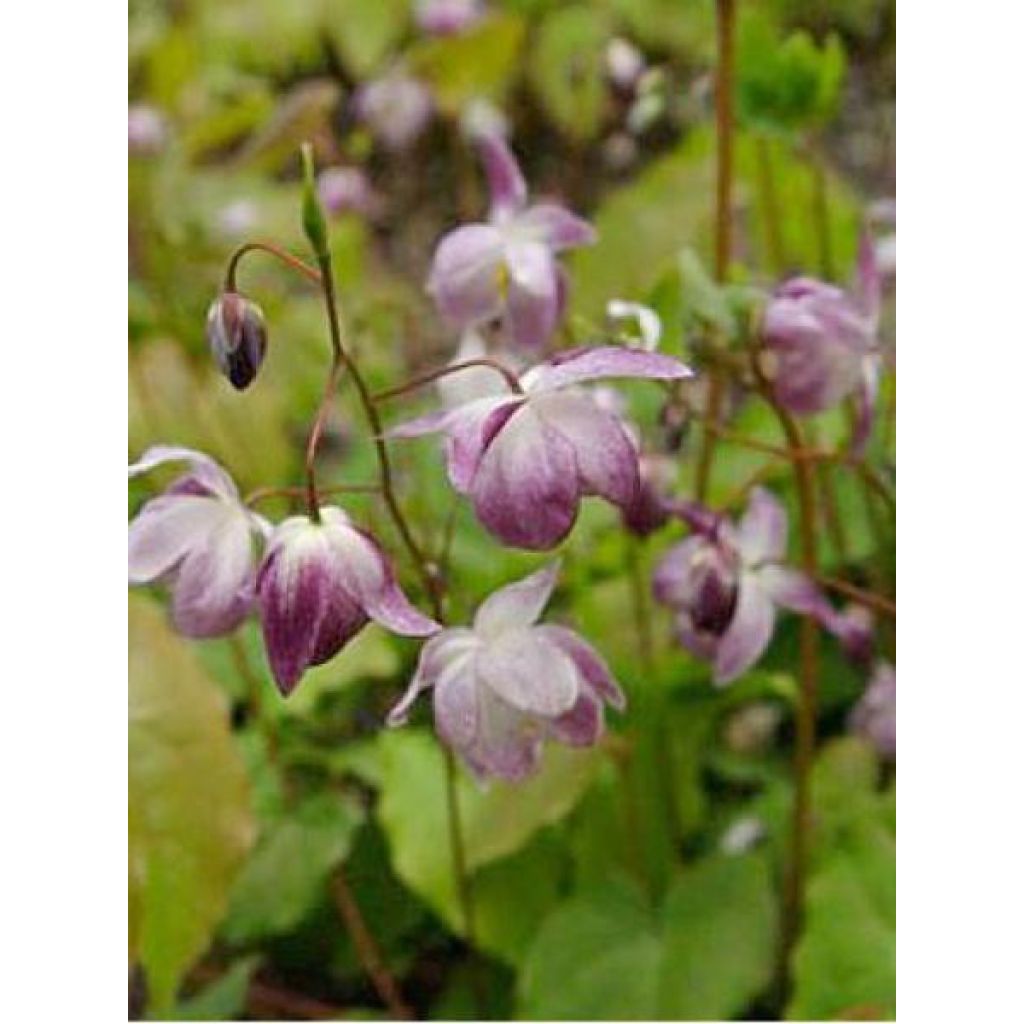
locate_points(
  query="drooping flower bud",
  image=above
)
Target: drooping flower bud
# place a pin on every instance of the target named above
(237, 335)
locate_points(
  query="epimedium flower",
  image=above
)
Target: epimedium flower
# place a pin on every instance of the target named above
(527, 458)
(346, 190)
(147, 130)
(447, 17)
(197, 537)
(237, 335)
(318, 585)
(874, 716)
(508, 266)
(395, 107)
(821, 344)
(505, 685)
(725, 581)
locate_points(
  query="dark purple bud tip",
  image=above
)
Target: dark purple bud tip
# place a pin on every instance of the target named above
(237, 334)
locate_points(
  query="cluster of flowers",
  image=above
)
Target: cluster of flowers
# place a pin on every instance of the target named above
(525, 449)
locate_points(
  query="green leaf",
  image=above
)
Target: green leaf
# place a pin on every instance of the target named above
(598, 957)
(497, 821)
(567, 68)
(223, 999)
(290, 867)
(365, 33)
(706, 955)
(478, 63)
(720, 928)
(189, 823)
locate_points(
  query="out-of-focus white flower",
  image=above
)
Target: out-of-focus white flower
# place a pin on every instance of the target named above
(741, 835)
(480, 118)
(624, 63)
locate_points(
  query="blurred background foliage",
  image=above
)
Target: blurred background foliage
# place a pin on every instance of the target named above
(636, 880)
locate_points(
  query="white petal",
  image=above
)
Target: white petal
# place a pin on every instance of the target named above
(518, 604)
(165, 529)
(529, 672)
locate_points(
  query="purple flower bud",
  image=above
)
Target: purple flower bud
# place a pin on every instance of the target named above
(507, 267)
(650, 509)
(526, 459)
(147, 130)
(504, 686)
(319, 584)
(726, 581)
(196, 537)
(447, 17)
(874, 717)
(395, 107)
(237, 336)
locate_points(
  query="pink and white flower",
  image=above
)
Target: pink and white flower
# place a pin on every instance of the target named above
(508, 266)
(527, 458)
(319, 584)
(725, 581)
(395, 107)
(504, 686)
(197, 537)
(447, 17)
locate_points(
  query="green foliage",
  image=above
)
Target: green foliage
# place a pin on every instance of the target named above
(363, 33)
(223, 999)
(189, 823)
(703, 955)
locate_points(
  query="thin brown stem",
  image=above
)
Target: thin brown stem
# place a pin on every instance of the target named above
(724, 89)
(261, 494)
(770, 204)
(310, 273)
(315, 432)
(366, 947)
(511, 379)
(868, 598)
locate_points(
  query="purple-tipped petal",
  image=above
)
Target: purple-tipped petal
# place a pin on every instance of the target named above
(456, 711)
(164, 531)
(532, 307)
(518, 604)
(865, 401)
(583, 364)
(605, 455)
(508, 743)
(582, 724)
(467, 274)
(205, 470)
(293, 586)
(761, 533)
(673, 576)
(557, 227)
(526, 490)
(213, 590)
(428, 423)
(748, 633)
(504, 178)
(439, 653)
(529, 673)
(342, 620)
(471, 430)
(589, 663)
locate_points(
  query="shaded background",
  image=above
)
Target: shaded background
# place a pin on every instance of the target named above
(637, 880)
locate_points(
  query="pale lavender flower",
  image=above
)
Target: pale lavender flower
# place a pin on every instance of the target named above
(480, 118)
(196, 537)
(395, 107)
(447, 17)
(147, 130)
(624, 63)
(874, 717)
(821, 344)
(725, 581)
(237, 335)
(345, 190)
(507, 267)
(464, 386)
(504, 686)
(527, 458)
(238, 218)
(318, 585)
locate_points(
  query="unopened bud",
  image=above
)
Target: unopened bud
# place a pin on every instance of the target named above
(237, 334)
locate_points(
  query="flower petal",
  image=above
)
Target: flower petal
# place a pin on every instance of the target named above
(367, 576)
(604, 453)
(504, 178)
(529, 672)
(208, 472)
(213, 590)
(456, 712)
(673, 582)
(582, 364)
(582, 724)
(748, 633)
(590, 665)
(533, 293)
(293, 587)
(865, 401)
(440, 651)
(508, 742)
(518, 604)
(557, 227)
(465, 279)
(526, 489)
(164, 531)
(761, 533)
(471, 430)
